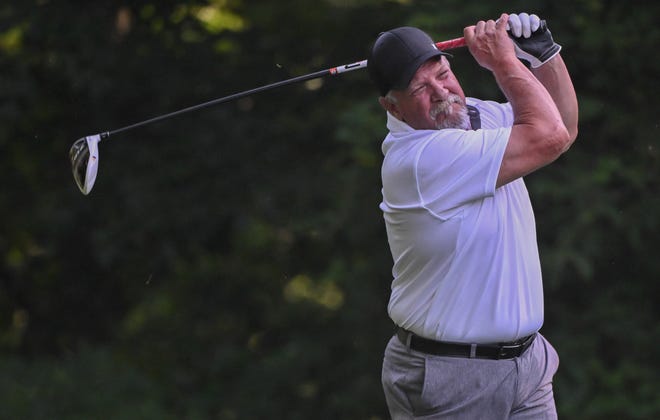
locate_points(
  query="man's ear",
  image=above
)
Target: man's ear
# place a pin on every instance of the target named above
(390, 106)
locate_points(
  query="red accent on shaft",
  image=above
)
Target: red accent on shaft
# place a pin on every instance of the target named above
(451, 44)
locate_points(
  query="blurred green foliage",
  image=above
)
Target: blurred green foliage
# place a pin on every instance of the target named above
(232, 263)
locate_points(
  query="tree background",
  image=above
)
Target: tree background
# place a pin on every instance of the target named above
(232, 263)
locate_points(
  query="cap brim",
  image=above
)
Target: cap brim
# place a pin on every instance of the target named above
(410, 71)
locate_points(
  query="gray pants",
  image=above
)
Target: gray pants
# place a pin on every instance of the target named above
(422, 386)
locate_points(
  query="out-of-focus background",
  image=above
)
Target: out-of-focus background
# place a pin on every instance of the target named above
(232, 263)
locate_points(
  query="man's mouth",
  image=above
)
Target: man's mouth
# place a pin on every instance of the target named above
(452, 117)
(445, 107)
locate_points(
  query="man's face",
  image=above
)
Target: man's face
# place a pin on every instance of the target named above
(433, 99)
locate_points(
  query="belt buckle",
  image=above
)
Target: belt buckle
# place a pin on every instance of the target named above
(507, 351)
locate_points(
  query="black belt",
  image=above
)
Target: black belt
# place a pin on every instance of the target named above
(473, 351)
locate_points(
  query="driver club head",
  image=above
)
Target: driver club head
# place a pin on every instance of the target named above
(84, 155)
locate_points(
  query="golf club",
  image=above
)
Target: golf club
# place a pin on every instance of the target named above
(84, 153)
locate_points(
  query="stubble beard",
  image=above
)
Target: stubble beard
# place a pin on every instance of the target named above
(453, 118)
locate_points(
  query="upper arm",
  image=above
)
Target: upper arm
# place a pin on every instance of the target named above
(530, 147)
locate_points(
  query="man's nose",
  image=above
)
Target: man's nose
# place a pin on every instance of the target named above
(439, 92)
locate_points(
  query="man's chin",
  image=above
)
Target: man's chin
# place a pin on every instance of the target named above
(454, 122)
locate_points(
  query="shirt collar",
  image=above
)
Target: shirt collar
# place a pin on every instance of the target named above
(395, 125)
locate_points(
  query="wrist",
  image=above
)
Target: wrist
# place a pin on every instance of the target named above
(507, 66)
(549, 54)
(546, 65)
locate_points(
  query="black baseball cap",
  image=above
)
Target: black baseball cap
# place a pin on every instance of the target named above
(397, 54)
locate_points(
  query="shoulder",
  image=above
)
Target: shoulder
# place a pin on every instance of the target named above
(461, 147)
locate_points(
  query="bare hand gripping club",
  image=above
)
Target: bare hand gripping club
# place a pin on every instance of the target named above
(84, 153)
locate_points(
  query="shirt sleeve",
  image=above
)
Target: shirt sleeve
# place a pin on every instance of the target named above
(456, 167)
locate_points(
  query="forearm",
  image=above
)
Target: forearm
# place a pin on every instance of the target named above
(557, 81)
(532, 103)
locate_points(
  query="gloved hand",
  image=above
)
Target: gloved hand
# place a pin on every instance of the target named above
(532, 39)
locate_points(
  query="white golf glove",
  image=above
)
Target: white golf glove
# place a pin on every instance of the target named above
(532, 39)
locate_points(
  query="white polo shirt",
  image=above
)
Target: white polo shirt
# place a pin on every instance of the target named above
(466, 264)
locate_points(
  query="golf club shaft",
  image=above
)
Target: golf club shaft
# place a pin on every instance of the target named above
(443, 45)
(224, 99)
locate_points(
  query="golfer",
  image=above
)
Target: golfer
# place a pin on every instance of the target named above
(467, 294)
